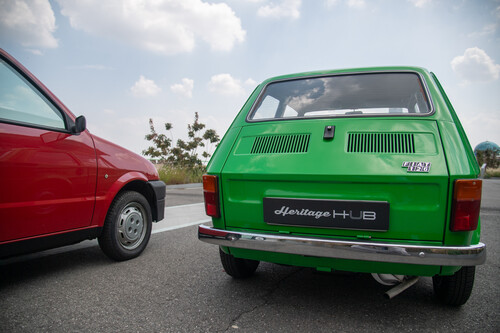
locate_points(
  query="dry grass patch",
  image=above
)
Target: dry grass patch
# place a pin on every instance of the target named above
(493, 172)
(178, 175)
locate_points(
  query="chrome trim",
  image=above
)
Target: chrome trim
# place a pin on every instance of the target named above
(471, 255)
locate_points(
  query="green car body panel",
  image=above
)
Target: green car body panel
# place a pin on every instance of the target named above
(290, 158)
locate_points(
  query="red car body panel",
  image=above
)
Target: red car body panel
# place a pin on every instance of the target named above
(116, 168)
(48, 181)
(55, 181)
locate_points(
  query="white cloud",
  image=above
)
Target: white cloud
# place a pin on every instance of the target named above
(93, 67)
(185, 88)
(145, 88)
(35, 51)
(28, 22)
(479, 130)
(489, 29)
(331, 3)
(97, 67)
(161, 26)
(475, 66)
(357, 4)
(284, 9)
(225, 84)
(251, 82)
(420, 3)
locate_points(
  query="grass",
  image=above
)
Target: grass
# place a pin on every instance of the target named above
(493, 172)
(178, 175)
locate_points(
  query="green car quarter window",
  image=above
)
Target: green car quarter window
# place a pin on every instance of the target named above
(394, 93)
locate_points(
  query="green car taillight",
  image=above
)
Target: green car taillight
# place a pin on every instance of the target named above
(211, 195)
(466, 204)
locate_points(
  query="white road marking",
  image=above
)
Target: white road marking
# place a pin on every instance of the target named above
(184, 206)
(176, 217)
(181, 226)
(181, 216)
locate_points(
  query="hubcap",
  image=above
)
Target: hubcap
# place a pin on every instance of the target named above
(131, 226)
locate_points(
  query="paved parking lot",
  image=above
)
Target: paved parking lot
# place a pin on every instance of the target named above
(178, 285)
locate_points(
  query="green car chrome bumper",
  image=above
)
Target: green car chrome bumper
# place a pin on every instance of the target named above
(355, 250)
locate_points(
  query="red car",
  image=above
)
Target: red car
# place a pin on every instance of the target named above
(59, 184)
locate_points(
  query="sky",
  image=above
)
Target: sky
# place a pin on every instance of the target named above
(121, 62)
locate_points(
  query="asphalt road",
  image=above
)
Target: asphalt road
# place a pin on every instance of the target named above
(178, 285)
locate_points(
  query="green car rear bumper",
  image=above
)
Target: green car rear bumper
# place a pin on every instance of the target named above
(341, 249)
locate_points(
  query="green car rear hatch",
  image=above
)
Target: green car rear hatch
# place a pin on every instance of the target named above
(310, 161)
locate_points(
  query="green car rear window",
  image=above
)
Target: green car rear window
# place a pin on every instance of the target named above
(369, 94)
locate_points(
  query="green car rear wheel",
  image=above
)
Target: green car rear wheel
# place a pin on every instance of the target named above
(236, 267)
(455, 289)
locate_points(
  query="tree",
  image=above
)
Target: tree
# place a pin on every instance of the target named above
(185, 154)
(161, 148)
(488, 156)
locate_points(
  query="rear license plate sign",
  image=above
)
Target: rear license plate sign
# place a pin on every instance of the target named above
(359, 215)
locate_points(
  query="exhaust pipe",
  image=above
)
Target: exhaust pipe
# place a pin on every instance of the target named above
(407, 283)
(388, 279)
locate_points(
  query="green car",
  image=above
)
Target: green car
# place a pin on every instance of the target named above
(363, 170)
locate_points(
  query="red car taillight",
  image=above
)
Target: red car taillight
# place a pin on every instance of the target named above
(211, 195)
(466, 204)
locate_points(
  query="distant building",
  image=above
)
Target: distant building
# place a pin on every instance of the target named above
(487, 145)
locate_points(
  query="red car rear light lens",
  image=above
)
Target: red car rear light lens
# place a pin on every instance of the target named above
(211, 195)
(466, 204)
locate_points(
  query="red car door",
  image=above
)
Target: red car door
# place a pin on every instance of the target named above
(47, 174)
